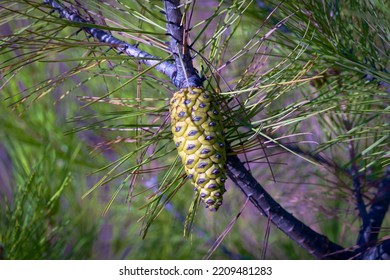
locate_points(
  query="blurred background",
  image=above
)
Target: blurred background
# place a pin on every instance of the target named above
(85, 142)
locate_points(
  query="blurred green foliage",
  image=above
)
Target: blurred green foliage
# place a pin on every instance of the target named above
(59, 137)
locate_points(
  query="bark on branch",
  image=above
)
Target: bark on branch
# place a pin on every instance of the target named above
(369, 231)
(316, 244)
(380, 251)
(186, 74)
(164, 67)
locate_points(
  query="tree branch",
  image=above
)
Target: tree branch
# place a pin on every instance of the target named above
(369, 232)
(380, 251)
(186, 73)
(355, 176)
(316, 244)
(164, 67)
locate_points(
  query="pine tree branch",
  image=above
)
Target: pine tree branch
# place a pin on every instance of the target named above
(380, 251)
(316, 244)
(355, 176)
(370, 229)
(164, 67)
(186, 74)
(369, 232)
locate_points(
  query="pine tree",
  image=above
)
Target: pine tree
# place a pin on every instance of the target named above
(301, 83)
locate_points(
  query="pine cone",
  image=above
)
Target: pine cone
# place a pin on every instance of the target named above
(198, 133)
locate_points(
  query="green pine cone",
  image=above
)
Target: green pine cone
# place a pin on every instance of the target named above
(198, 133)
